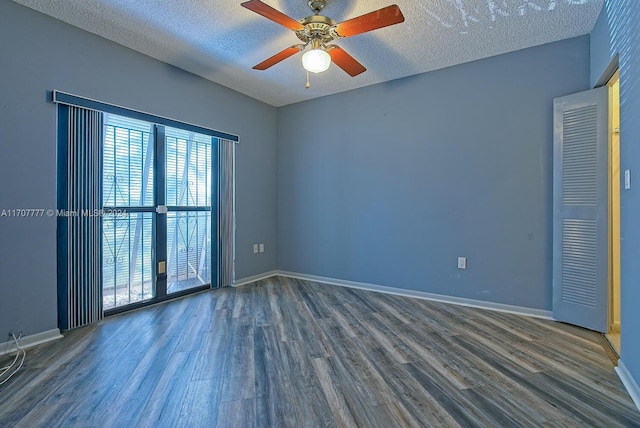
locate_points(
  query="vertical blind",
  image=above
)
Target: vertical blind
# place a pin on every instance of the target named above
(226, 207)
(79, 219)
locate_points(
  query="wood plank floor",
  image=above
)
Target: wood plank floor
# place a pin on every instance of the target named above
(293, 353)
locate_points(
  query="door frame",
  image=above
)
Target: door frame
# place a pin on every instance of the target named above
(612, 260)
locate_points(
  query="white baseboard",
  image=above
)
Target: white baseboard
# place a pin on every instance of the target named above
(629, 383)
(254, 278)
(499, 307)
(30, 341)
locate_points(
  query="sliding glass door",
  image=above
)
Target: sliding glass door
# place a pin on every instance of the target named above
(157, 198)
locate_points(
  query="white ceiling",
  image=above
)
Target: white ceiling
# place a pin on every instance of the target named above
(220, 40)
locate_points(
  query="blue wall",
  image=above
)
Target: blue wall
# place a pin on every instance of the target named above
(617, 31)
(389, 184)
(601, 54)
(38, 54)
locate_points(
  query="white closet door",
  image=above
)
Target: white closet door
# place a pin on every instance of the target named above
(580, 212)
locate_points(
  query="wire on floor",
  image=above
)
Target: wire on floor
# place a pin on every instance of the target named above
(10, 367)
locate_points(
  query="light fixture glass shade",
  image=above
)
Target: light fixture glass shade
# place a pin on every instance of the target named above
(316, 60)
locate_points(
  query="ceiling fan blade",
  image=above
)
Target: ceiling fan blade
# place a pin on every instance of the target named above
(270, 13)
(345, 61)
(384, 17)
(282, 55)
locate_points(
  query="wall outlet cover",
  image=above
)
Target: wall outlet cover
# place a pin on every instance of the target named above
(627, 179)
(462, 262)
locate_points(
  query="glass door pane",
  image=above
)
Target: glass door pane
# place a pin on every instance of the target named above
(188, 169)
(188, 193)
(188, 250)
(127, 266)
(127, 225)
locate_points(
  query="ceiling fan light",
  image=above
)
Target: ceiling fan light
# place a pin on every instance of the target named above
(316, 60)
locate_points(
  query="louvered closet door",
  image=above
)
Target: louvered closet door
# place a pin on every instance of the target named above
(580, 217)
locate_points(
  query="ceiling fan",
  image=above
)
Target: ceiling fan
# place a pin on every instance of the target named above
(318, 31)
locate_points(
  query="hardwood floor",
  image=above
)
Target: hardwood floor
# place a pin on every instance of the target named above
(293, 353)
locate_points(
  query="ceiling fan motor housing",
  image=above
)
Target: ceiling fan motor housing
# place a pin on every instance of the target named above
(316, 27)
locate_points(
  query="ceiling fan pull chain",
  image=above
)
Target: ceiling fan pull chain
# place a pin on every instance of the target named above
(308, 84)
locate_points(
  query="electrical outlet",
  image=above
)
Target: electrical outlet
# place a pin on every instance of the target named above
(262, 248)
(627, 179)
(462, 262)
(255, 248)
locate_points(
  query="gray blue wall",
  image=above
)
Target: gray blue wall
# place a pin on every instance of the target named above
(38, 54)
(601, 55)
(617, 31)
(389, 184)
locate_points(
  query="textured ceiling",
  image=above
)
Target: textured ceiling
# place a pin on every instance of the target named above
(221, 41)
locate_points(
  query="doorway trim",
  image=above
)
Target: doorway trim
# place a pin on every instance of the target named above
(613, 334)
